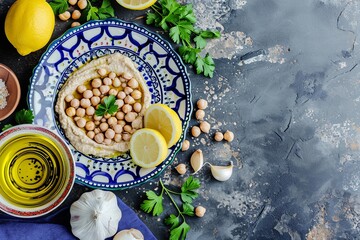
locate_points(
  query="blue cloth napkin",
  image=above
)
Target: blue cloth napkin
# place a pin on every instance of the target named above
(57, 226)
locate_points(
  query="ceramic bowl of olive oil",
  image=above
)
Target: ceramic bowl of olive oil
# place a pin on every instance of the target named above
(37, 171)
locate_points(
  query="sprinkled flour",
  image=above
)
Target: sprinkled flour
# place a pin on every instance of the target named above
(3, 94)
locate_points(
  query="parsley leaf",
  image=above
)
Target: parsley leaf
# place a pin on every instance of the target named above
(200, 42)
(108, 106)
(24, 116)
(205, 65)
(106, 10)
(59, 6)
(172, 220)
(188, 209)
(179, 232)
(188, 189)
(152, 204)
(6, 127)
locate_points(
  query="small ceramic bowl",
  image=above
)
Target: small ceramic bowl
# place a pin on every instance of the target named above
(37, 171)
(13, 88)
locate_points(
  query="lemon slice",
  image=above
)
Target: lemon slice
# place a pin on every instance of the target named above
(136, 4)
(148, 148)
(165, 120)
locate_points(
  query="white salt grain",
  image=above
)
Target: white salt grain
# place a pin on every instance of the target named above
(3, 94)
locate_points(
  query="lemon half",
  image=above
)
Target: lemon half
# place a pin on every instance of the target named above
(136, 4)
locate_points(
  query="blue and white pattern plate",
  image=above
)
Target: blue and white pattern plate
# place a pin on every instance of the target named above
(161, 67)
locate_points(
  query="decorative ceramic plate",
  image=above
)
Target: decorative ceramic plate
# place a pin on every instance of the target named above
(160, 66)
(38, 171)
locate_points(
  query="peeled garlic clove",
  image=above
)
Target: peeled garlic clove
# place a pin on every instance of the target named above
(222, 173)
(129, 234)
(197, 160)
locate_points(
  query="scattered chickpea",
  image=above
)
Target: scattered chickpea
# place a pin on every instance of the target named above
(218, 136)
(195, 131)
(229, 136)
(185, 145)
(69, 97)
(202, 104)
(70, 111)
(64, 16)
(101, 71)
(72, 2)
(76, 14)
(200, 114)
(75, 24)
(205, 127)
(82, 4)
(80, 89)
(200, 211)
(181, 168)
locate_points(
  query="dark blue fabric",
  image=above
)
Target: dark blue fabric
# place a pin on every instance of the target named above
(57, 226)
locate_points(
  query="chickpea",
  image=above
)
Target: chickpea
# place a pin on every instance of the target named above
(80, 89)
(218, 136)
(128, 90)
(200, 211)
(117, 137)
(72, 2)
(64, 16)
(195, 131)
(113, 92)
(95, 100)
(126, 136)
(129, 117)
(127, 76)
(104, 89)
(122, 123)
(129, 100)
(120, 115)
(104, 126)
(76, 14)
(75, 24)
(107, 116)
(112, 121)
(75, 103)
(121, 95)
(181, 168)
(205, 127)
(85, 103)
(123, 80)
(137, 107)
(107, 141)
(99, 138)
(116, 82)
(81, 122)
(97, 130)
(97, 118)
(119, 103)
(112, 75)
(103, 120)
(96, 83)
(90, 134)
(200, 114)
(126, 108)
(107, 81)
(69, 97)
(202, 104)
(90, 111)
(229, 136)
(70, 111)
(133, 83)
(102, 72)
(96, 92)
(97, 123)
(185, 145)
(123, 85)
(136, 94)
(76, 118)
(118, 128)
(90, 126)
(127, 128)
(88, 94)
(80, 112)
(110, 133)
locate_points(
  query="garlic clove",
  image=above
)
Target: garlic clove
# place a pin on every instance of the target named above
(129, 234)
(222, 173)
(197, 160)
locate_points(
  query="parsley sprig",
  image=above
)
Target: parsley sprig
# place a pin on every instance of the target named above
(177, 222)
(179, 21)
(108, 106)
(23, 116)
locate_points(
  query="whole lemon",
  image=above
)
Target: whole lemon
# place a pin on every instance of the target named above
(29, 25)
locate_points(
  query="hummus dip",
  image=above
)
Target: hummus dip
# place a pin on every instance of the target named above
(103, 135)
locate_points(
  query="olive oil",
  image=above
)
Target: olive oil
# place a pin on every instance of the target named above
(31, 170)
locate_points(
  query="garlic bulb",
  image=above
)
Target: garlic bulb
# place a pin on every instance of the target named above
(129, 234)
(222, 173)
(197, 160)
(95, 215)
